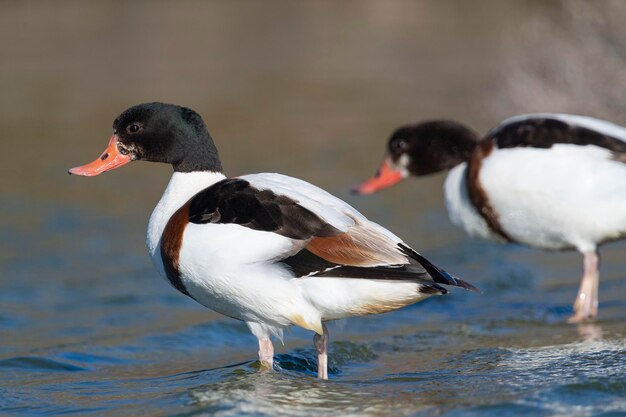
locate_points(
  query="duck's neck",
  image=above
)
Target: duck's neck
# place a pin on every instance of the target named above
(195, 145)
(461, 152)
(182, 186)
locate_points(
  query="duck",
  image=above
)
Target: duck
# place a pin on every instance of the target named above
(546, 180)
(267, 249)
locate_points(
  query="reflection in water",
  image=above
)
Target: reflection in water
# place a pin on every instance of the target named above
(285, 394)
(590, 331)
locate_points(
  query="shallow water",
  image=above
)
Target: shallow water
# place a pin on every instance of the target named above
(86, 325)
(82, 334)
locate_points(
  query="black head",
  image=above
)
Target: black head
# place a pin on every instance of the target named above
(158, 132)
(422, 149)
(431, 147)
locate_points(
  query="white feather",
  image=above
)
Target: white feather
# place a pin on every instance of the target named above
(337, 298)
(220, 276)
(182, 186)
(460, 209)
(325, 205)
(564, 196)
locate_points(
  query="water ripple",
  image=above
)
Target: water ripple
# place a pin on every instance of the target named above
(39, 363)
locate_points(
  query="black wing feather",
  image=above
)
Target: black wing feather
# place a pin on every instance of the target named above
(234, 200)
(307, 264)
(543, 132)
(437, 274)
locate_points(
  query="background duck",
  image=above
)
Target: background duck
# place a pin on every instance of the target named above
(549, 181)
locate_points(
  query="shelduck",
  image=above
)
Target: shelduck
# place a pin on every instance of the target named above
(549, 181)
(267, 249)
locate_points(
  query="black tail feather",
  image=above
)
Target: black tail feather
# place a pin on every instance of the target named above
(439, 275)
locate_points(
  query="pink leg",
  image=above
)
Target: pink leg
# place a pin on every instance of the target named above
(586, 304)
(321, 344)
(266, 352)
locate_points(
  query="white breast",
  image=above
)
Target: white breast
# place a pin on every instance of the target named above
(182, 186)
(461, 210)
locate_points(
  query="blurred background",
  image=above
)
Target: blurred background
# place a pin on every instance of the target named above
(309, 89)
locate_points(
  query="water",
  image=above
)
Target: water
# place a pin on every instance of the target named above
(88, 328)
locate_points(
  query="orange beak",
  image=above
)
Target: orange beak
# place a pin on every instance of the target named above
(385, 177)
(110, 159)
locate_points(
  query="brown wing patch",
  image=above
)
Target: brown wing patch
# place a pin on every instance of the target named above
(340, 250)
(359, 246)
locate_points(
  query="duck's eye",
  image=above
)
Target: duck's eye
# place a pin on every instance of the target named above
(133, 128)
(399, 145)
